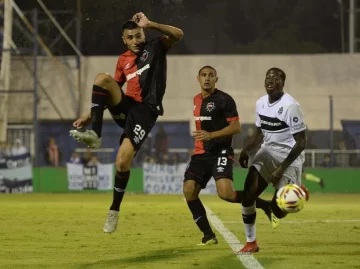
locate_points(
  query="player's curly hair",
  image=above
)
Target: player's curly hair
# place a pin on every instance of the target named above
(129, 25)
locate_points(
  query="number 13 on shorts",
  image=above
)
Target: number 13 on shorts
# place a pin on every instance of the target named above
(222, 161)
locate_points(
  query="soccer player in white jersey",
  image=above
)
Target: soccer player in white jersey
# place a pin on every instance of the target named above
(280, 125)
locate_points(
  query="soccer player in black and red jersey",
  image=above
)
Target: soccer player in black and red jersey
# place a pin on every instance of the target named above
(216, 120)
(143, 67)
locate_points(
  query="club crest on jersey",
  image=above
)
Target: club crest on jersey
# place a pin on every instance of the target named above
(280, 111)
(210, 106)
(144, 56)
(295, 119)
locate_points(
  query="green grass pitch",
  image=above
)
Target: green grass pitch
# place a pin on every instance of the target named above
(64, 231)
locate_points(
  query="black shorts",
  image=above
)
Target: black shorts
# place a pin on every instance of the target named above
(203, 167)
(137, 119)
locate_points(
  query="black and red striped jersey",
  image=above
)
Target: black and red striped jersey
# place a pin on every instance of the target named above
(145, 74)
(214, 113)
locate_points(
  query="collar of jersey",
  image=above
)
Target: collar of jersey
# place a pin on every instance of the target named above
(270, 105)
(215, 91)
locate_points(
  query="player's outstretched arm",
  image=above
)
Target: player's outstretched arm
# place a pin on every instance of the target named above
(172, 34)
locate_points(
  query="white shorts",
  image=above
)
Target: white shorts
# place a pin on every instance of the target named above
(266, 161)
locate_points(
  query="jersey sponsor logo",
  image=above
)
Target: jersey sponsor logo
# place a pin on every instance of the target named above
(137, 73)
(144, 56)
(272, 124)
(210, 106)
(202, 118)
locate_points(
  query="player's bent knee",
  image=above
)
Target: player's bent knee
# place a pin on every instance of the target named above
(226, 194)
(103, 80)
(125, 156)
(123, 163)
(225, 190)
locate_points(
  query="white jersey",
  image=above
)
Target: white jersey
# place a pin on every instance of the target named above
(279, 121)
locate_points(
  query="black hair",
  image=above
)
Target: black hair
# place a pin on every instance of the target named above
(208, 66)
(282, 73)
(129, 25)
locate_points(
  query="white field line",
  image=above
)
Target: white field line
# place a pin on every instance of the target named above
(303, 221)
(248, 260)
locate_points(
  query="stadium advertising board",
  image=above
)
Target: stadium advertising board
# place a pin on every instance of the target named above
(98, 177)
(168, 179)
(16, 174)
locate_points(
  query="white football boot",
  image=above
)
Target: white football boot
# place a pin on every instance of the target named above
(111, 221)
(89, 137)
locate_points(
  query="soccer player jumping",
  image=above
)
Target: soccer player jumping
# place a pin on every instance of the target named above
(280, 125)
(143, 67)
(216, 120)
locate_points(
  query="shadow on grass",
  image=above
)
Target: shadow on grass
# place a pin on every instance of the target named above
(161, 255)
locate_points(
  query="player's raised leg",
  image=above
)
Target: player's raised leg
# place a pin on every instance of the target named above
(225, 190)
(105, 92)
(191, 191)
(124, 158)
(313, 178)
(254, 185)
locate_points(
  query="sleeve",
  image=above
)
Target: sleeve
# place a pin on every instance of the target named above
(294, 119)
(257, 117)
(119, 73)
(229, 107)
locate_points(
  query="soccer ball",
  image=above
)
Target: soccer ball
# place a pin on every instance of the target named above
(290, 198)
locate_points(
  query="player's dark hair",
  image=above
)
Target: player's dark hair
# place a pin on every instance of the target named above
(129, 25)
(282, 73)
(208, 66)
